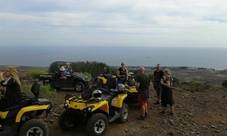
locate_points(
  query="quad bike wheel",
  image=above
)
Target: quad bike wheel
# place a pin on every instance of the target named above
(124, 113)
(34, 127)
(97, 125)
(65, 121)
(79, 87)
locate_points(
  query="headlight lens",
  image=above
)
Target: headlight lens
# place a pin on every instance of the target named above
(65, 105)
(90, 108)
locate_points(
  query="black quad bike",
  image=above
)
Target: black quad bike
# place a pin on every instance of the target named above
(25, 118)
(74, 80)
(105, 105)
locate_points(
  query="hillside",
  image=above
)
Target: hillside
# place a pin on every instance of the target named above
(184, 74)
(198, 112)
(201, 113)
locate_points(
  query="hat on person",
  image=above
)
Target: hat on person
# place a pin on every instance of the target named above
(62, 68)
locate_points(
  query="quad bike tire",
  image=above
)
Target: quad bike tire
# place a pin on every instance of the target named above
(34, 127)
(97, 125)
(64, 121)
(79, 87)
(124, 113)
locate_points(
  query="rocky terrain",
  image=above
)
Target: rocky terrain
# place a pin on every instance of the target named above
(197, 113)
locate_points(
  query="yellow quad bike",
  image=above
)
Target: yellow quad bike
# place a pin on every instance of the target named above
(23, 119)
(132, 92)
(96, 113)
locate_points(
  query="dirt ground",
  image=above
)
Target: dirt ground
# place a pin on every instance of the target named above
(196, 114)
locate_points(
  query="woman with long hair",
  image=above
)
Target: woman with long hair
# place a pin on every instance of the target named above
(12, 87)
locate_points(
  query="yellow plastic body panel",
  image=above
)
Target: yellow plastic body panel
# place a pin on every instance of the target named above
(81, 105)
(131, 89)
(103, 79)
(3, 114)
(30, 108)
(118, 100)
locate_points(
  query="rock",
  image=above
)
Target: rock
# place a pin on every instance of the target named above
(145, 126)
(171, 122)
(170, 134)
(213, 126)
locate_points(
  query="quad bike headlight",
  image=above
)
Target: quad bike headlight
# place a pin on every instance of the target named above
(89, 108)
(65, 105)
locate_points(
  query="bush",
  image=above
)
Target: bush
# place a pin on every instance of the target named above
(209, 86)
(87, 74)
(151, 76)
(175, 81)
(45, 91)
(197, 83)
(34, 74)
(224, 83)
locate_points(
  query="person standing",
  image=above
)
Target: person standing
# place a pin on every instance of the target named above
(142, 85)
(12, 88)
(167, 95)
(122, 74)
(157, 85)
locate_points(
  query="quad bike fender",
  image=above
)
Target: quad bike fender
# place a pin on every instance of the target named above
(30, 108)
(102, 79)
(3, 114)
(118, 100)
(103, 105)
(131, 89)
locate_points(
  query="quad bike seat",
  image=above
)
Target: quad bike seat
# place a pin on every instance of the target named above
(108, 98)
(111, 83)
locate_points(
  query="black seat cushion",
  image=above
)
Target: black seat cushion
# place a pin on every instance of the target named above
(111, 82)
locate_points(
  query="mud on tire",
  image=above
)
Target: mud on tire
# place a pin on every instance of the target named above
(97, 125)
(36, 127)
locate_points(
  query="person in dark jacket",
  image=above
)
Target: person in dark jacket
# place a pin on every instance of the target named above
(122, 74)
(157, 83)
(12, 85)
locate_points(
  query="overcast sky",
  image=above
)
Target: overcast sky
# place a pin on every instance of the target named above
(185, 23)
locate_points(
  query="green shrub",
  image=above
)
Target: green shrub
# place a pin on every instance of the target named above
(34, 74)
(197, 83)
(151, 76)
(197, 86)
(87, 74)
(224, 83)
(45, 91)
(26, 89)
(185, 83)
(210, 86)
(175, 81)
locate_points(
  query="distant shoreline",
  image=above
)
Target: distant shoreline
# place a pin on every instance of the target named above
(40, 56)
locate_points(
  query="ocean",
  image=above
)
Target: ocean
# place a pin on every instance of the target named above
(42, 56)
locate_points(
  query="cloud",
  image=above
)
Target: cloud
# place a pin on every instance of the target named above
(123, 23)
